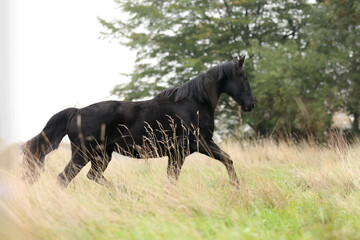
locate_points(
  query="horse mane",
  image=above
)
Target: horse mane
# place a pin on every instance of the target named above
(197, 88)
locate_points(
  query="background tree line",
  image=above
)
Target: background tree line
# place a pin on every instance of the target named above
(303, 58)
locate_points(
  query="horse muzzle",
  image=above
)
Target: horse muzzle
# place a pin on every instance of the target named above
(248, 107)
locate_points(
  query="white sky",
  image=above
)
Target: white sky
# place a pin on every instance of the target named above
(59, 61)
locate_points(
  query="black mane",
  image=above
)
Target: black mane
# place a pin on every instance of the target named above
(197, 88)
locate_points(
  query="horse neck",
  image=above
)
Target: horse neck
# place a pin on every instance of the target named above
(213, 92)
(218, 76)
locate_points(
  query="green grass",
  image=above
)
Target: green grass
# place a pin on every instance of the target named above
(287, 191)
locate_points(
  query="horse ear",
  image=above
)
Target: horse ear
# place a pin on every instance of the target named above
(241, 61)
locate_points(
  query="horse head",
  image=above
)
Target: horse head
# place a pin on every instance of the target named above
(236, 84)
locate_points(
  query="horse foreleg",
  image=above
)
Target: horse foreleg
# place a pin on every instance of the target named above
(214, 151)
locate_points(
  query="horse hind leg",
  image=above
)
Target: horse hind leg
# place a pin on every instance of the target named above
(175, 163)
(76, 163)
(98, 166)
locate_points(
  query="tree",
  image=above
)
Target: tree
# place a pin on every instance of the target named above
(335, 32)
(176, 40)
(291, 91)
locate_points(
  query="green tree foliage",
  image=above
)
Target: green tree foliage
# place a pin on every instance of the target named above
(335, 32)
(295, 55)
(290, 89)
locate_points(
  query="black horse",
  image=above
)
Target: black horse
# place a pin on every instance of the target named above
(177, 122)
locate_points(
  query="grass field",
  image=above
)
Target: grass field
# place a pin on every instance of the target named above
(287, 191)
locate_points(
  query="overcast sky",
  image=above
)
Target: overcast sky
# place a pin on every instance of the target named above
(57, 61)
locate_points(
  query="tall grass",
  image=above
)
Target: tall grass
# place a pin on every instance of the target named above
(287, 191)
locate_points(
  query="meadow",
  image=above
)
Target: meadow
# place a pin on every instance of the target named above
(287, 191)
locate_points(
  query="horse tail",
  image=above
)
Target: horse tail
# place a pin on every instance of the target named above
(48, 140)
